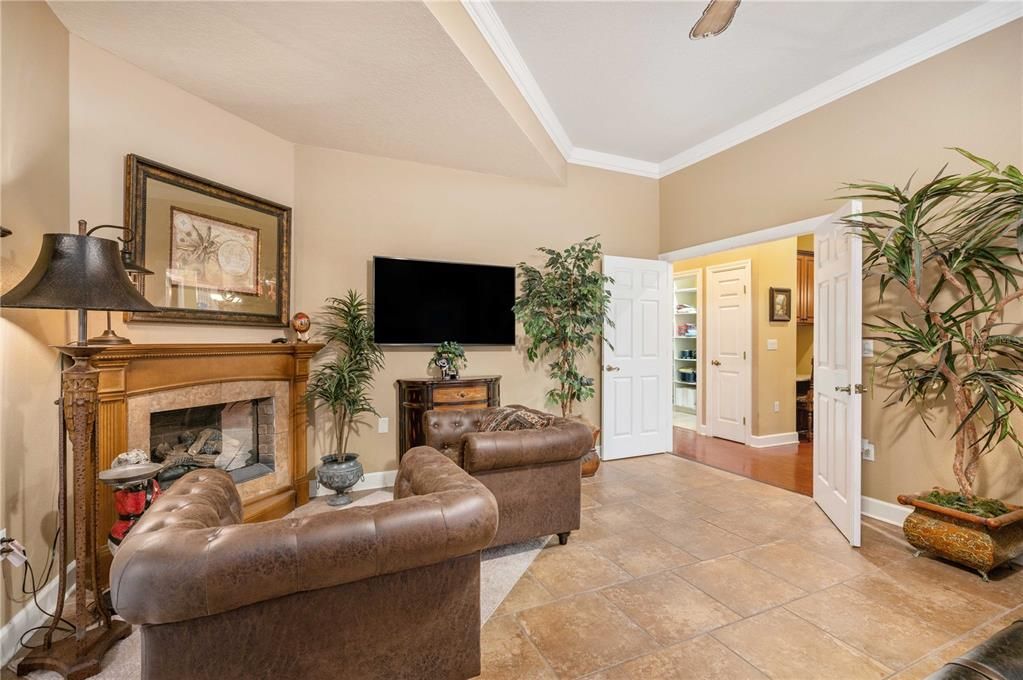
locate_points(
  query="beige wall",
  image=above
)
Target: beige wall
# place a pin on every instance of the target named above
(970, 96)
(117, 109)
(774, 372)
(34, 134)
(349, 207)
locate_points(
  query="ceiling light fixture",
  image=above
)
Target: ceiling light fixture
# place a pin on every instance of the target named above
(717, 16)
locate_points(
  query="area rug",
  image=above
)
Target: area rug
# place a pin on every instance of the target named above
(500, 570)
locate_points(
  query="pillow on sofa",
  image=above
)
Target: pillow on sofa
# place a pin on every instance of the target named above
(503, 418)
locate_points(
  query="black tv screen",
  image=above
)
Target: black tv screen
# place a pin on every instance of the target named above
(421, 302)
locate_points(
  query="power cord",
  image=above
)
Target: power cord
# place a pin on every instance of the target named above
(63, 625)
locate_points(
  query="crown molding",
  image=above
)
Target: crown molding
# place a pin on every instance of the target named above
(976, 22)
(609, 161)
(987, 17)
(489, 24)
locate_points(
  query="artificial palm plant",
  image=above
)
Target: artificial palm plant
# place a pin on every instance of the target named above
(563, 308)
(953, 247)
(343, 383)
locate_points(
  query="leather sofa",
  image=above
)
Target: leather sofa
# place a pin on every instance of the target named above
(1000, 657)
(382, 591)
(533, 473)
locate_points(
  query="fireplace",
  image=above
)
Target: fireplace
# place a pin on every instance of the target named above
(236, 437)
(237, 407)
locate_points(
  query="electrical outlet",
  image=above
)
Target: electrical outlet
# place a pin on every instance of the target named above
(868, 450)
(868, 348)
(777, 406)
(772, 344)
(383, 425)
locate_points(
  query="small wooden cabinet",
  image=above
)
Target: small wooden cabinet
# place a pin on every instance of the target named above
(416, 396)
(804, 287)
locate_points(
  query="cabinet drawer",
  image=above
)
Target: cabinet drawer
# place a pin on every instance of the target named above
(459, 393)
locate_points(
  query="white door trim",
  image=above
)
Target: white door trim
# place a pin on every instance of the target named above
(750, 238)
(747, 265)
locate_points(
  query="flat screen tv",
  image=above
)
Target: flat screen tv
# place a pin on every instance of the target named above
(421, 302)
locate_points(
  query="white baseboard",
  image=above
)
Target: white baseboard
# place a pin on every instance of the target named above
(30, 617)
(702, 430)
(372, 480)
(891, 513)
(764, 441)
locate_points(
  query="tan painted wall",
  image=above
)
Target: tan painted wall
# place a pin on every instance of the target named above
(34, 133)
(350, 207)
(970, 96)
(774, 372)
(804, 334)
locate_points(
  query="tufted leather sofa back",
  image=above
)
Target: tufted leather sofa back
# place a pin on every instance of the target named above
(189, 557)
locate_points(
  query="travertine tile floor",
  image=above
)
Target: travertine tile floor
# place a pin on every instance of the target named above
(684, 571)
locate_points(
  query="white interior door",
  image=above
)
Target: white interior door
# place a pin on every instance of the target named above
(838, 311)
(728, 350)
(636, 383)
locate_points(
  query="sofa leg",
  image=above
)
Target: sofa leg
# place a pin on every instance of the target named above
(563, 537)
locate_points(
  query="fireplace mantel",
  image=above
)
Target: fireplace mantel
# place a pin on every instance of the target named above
(128, 372)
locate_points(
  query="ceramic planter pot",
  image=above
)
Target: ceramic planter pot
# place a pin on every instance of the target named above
(339, 474)
(976, 542)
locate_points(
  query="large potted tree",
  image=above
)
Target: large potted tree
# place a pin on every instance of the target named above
(950, 252)
(562, 307)
(342, 386)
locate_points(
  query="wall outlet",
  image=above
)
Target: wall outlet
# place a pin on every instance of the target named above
(868, 450)
(777, 406)
(383, 425)
(772, 344)
(868, 348)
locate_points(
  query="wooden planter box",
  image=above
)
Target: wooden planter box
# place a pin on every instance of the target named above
(976, 542)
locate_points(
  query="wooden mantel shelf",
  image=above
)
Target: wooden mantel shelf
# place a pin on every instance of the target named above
(130, 371)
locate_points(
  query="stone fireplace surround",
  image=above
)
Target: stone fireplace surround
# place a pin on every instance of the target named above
(138, 379)
(141, 407)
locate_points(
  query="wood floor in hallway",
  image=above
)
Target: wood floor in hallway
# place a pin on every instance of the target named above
(789, 467)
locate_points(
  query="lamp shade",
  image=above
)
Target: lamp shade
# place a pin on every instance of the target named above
(77, 272)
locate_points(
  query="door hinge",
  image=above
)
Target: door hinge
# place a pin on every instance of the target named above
(744, 289)
(744, 356)
(744, 420)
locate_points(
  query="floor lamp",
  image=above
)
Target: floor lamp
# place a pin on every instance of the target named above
(76, 271)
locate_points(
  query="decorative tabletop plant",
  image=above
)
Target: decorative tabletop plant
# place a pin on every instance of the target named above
(563, 308)
(343, 383)
(449, 358)
(953, 247)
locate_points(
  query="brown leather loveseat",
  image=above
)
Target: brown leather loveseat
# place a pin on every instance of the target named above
(382, 591)
(533, 473)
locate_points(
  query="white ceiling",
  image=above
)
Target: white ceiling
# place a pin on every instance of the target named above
(378, 78)
(623, 77)
(617, 84)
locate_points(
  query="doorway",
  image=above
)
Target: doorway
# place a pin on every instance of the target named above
(746, 366)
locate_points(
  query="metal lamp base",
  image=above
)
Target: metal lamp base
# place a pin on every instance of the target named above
(74, 659)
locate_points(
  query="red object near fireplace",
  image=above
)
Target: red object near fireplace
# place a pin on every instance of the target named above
(129, 503)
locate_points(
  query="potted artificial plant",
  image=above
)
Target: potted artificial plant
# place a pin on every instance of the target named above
(342, 385)
(449, 358)
(952, 250)
(563, 308)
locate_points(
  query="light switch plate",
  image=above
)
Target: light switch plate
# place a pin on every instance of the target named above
(868, 348)
(383, 425)
(772, 344)
(777, 406)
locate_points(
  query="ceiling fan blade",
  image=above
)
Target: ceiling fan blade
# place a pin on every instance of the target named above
(717, 16)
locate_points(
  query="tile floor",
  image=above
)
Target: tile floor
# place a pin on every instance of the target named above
(684, 571)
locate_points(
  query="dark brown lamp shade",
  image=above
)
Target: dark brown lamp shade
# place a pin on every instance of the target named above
(77, 272)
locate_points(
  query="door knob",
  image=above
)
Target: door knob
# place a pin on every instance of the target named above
(715, 362)
(844, 388)
(611, 369)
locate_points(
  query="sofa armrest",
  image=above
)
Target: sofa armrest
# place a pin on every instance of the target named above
(178, 563)
(444, 429)
(563, 441)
